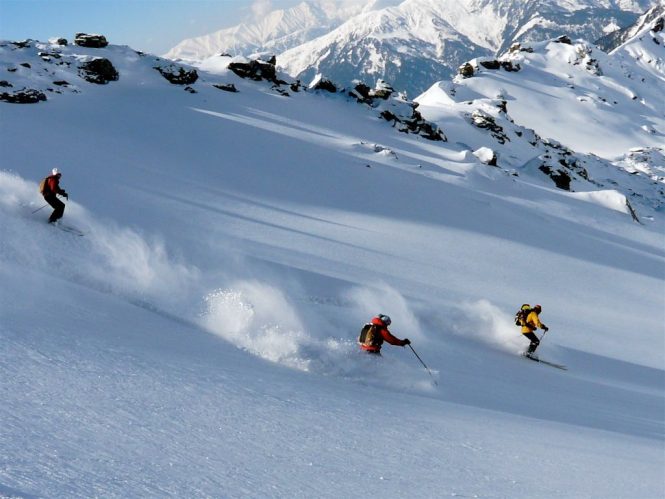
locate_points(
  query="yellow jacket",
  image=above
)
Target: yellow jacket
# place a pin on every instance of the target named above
(532, 323)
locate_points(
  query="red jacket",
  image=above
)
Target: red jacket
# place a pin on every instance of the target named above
(53, 186)
(385, 336)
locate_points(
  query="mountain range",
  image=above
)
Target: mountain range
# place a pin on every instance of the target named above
(411, 44)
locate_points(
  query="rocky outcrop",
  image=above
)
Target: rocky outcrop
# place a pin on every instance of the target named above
(396, 109)
(495, 64)
(177, 75)
(91, 41)
(257, 70)
(23, 44)
(559, 176)
(99, 71)
(483, 120)
(466, 70)
(322, 83)
(23, 96)
(230, 87)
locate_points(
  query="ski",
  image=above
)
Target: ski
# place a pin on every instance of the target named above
(546, 362)
(67, 228)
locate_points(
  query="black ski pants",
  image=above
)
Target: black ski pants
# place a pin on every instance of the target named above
(57, 205)
(534, 341)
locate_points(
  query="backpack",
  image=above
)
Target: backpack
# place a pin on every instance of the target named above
(43, 187)
(522, 314)
(369, 335)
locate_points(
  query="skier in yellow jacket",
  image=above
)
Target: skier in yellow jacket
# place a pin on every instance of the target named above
(530, 325)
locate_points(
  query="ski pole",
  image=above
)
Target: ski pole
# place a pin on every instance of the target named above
(421, 361)
(40, 208)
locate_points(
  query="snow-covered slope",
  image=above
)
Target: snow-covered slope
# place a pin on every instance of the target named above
(572, 92)
(199, 339)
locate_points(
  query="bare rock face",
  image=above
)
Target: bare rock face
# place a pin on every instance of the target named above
(230, 87)
(99, 71)
(466, 70)
(257, 70)
(323, 83)
(177, 74)
(92, 41)
(23, 96)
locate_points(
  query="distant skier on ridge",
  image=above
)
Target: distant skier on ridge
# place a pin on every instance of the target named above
(374, 333)
(529, 319)
(50, 189)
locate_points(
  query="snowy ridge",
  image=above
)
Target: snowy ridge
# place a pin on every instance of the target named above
(277, 31)
(199, 340)
(412, 43)
(546, 84)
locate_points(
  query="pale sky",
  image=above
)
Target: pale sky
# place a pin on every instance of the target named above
(152, 26)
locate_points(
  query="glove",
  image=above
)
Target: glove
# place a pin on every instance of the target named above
(406, 342)
(65, 195)
(545, 328)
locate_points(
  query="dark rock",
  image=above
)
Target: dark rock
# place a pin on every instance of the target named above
(24, 96)
(561, 178)
(295, 86)
(190, 90)
(255, 70)
(382, 90)
(389, 116)
(659, 25)
(563, 39)
(280, 91)
(46, 56)
(485, 121)
(324, 84)
(466, 70)
(227, 88)
(99, 71)
(509, 66)
(91, 41)
(6, 84)
(25, 65)
(506, 65)
(494, 64)
(61, 83)
(517, 47)
(23, 45)
(61, 41)
(362, 90)
(177, 74)
(11, 70)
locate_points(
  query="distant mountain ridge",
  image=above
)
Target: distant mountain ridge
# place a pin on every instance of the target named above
(412, 43)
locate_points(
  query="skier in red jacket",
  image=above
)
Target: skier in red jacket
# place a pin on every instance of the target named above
(376, 332)
(50, 191)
